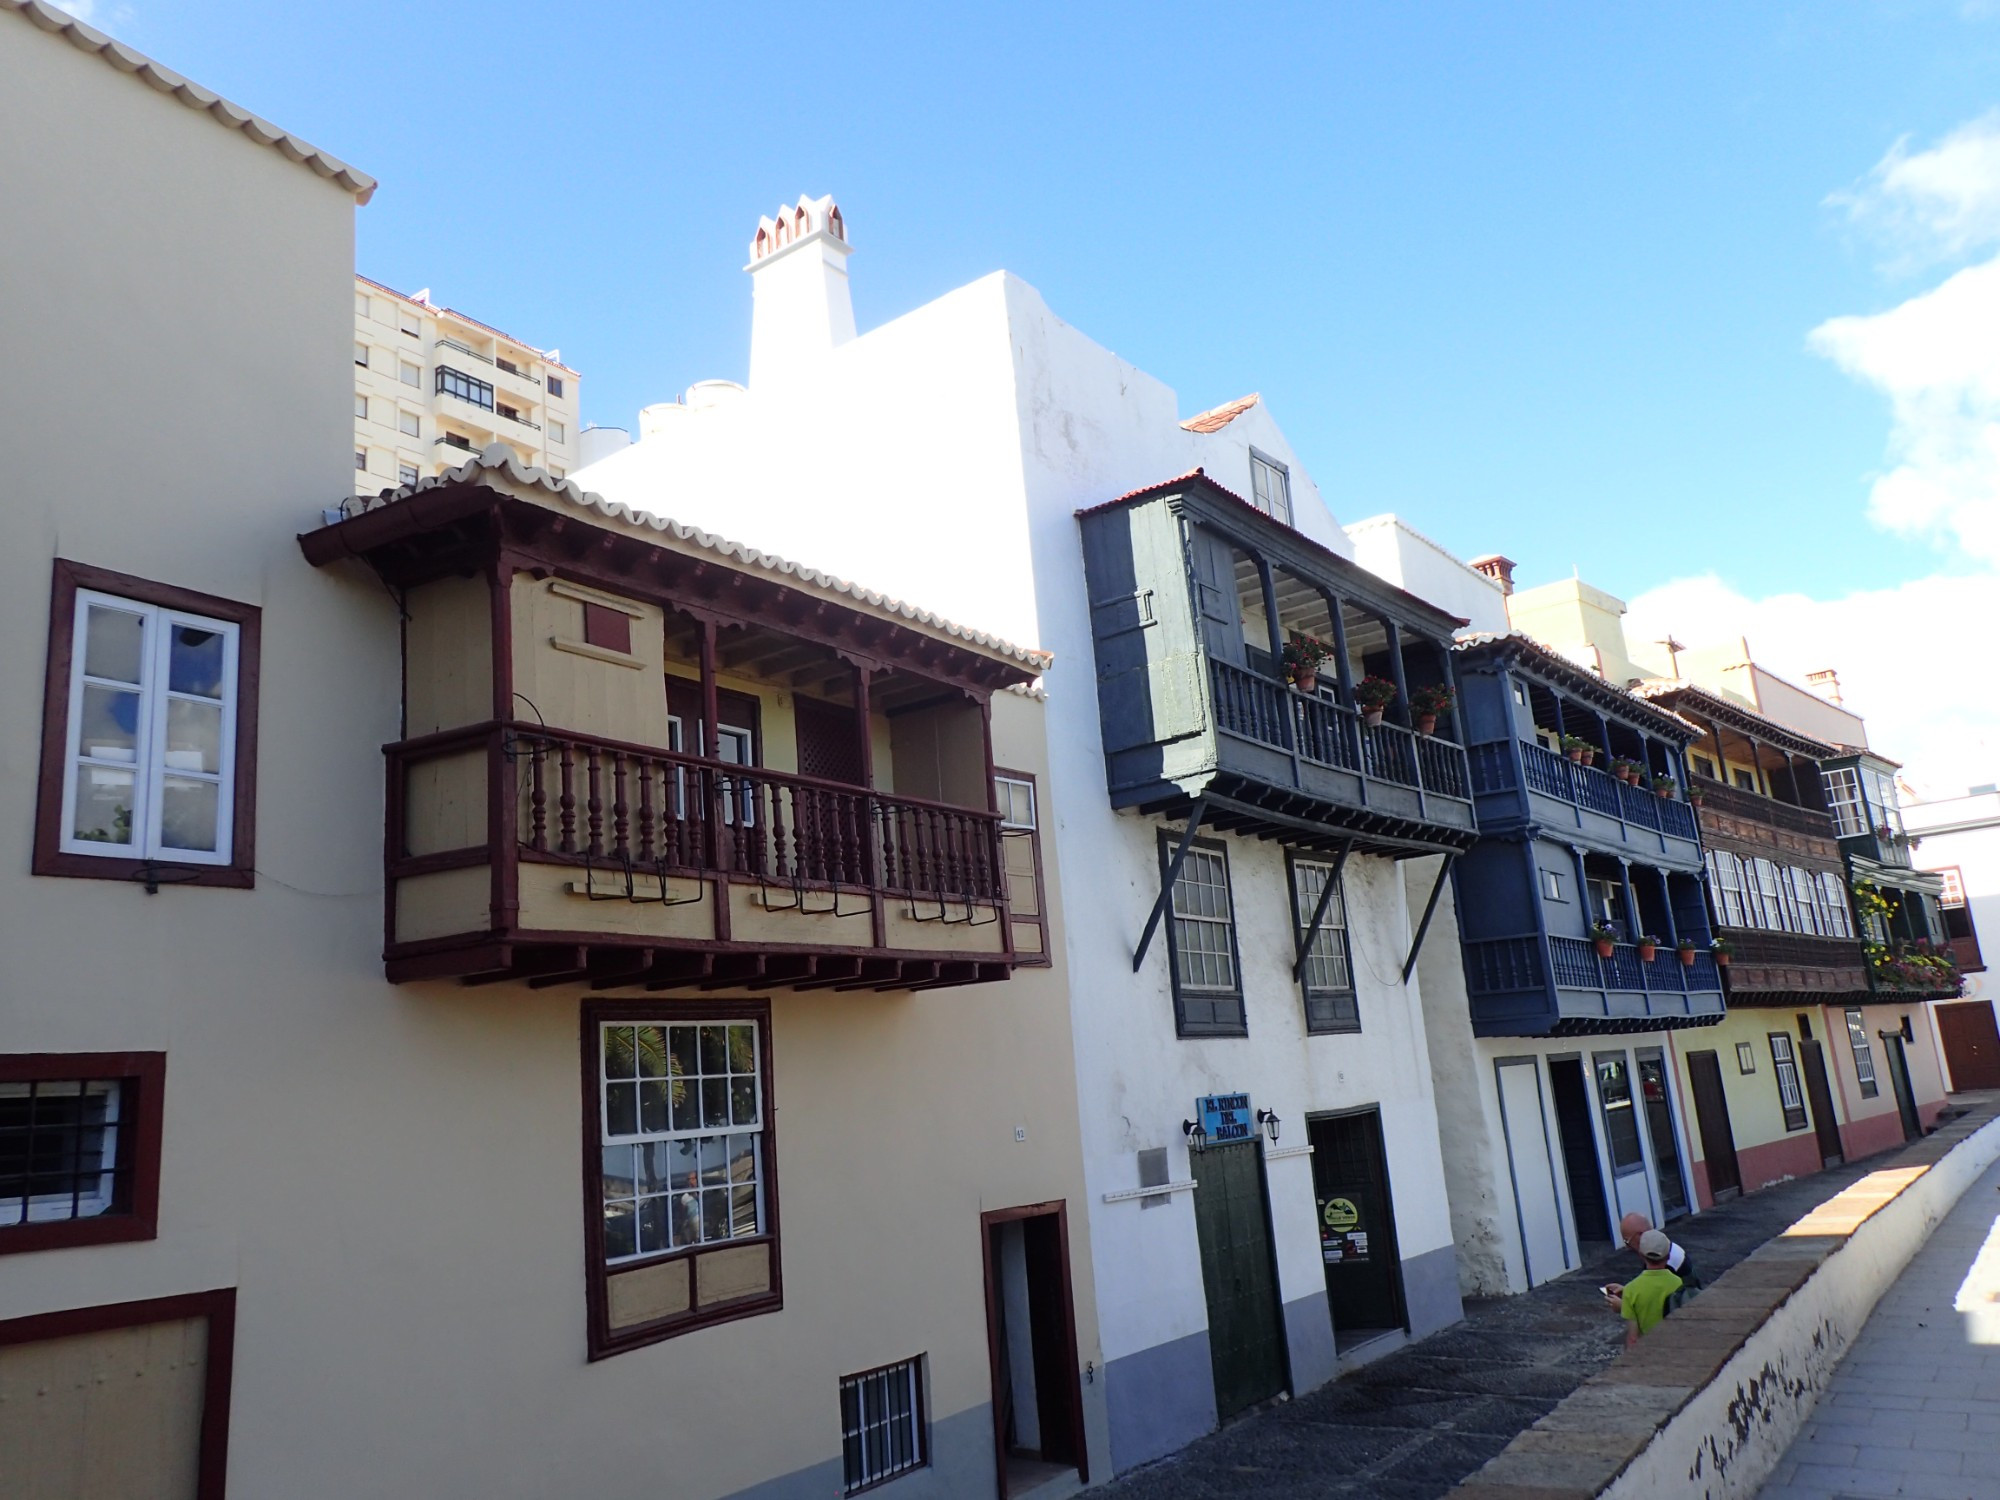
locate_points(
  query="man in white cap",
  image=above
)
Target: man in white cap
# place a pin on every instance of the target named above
(1632, 1226)
(1642, 1301)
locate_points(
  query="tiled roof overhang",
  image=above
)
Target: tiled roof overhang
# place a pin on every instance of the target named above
(1341, 567)
(1511, 650)
(369, 522)
(1678, 695)
(193, 95)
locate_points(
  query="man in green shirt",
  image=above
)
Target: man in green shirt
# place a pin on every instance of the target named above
(1643, 1301)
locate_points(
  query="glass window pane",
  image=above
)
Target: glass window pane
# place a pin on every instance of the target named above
(685, 1064)
(715, 1103)
(110, 727)
(618, 1181)
(743, 1049)
(103, 806)
(194, 736)
(194, 660)
(715, 1161)
(653, 1106)
(620, 1230)
(687, 1103)
(114, 644)
(652, 1052)
(684, 1209)
(743, 1210)
(653, 1226)
(742, 1101)
(653, 1166)
(715, 1215)
(188, 814)
(621, 1108)
(714, 1049)
(618, 1050)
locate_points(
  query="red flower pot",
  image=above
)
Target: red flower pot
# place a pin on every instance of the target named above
(1306, 679)
(1648, 952)
(1687, 957)
(1721, 960)
(1575, 755)
(1427, 723)
(1604, 947)
(1372, 717)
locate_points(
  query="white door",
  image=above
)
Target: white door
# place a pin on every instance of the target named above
(1533, 1168)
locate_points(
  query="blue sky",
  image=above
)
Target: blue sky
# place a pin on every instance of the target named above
(1538, 277)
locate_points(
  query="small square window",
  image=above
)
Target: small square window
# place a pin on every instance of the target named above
(555, 385)
(411, 326)
(361, 305)
(361, 355)
(410, 423)
(411, 374)
(1746, 1058)
(361, 408)
(1552, 886)
(406, 473)
(1520, 695)
(361, 460)
(607, 628)
(1016, 801)
(882, 1429)
(79, 1148)
(1703, 766)
(1747, 780)
(557, 434)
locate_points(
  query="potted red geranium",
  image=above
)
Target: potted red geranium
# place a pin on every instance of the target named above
(1373, 695)
(1303, 655)
(1426, 703)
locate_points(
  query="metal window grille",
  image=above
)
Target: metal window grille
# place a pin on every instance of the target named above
(1270, 488)
(457, 383)
(1864, 1055)
(683, 1123)
(1327, 968)
(1202, 943)
(1785, 1065)
(60, 1155)
(882, 1424)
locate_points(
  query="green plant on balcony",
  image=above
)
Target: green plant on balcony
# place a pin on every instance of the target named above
(1605, 936)
(1374, 694)
(1627, 770)
(1686, 947)
(1427, 702)
(1648, 946)
(1719, 949)
(1664, 786)
(1573, 745)
(1912, 968)
(1869, 902)
(1303, 656)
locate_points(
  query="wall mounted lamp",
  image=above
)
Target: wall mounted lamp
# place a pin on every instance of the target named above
(1197, 1137)
(1268, 1118)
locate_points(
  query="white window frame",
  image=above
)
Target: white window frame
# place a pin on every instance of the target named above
(1844, 801)
(148, 766)
(1188, 922)
(410, 374)
(409, 423)
(52, 1208)
(874, 1418)
(1953, 895)
(1271, 487)
(609, 1140)
(1552, 886)
(361, 354)
(1016, 802)
(1330, 950)
(1864, 1054)
(558, 433)
(360, 407)
(1725, 872)
(1785, 1063)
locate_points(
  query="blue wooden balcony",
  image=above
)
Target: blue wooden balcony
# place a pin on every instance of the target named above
(1541, 984)
(1517, 783)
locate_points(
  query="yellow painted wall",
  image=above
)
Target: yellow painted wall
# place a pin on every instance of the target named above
(448, 660)
(576, 689)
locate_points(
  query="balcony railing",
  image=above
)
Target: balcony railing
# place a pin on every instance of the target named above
(1558, 776)
(1331, 734)
(1965, 953)
(1577, 966)
(1754, 947)
(499, 364)
(656, 812)
(1738, 803)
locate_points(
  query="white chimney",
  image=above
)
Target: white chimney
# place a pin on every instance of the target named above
(800, 304)
(1826, 684)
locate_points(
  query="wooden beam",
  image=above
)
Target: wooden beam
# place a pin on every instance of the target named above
(1167, 879)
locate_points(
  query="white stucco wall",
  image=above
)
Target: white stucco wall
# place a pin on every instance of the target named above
(1391, 548)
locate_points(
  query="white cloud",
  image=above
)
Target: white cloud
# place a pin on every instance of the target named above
(83, 10)
(1910, 659)
(1936, 204)
(1937, 358)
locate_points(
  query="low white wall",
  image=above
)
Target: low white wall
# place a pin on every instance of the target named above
(1726, 1441)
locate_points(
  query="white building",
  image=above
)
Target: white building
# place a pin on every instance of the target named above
(1959, 838)
(951, 450)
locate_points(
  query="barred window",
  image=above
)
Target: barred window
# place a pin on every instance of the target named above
(79, 1148)
(1864, 1054)
(882, 1429)
(682, 1121)
(1786, 1066)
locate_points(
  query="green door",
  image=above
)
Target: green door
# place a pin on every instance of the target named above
(1246, 1338)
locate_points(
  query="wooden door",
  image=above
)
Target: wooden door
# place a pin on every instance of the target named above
(1590, 1207)
(1357, 1225)
(1812, 1063)
(1971, 1044)
(1031, 1340)
(1218, 609)
(1899, 1078)
(1246, 1336)
(1711, 1117)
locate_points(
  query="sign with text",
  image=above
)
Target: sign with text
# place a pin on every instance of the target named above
(1226, 1118)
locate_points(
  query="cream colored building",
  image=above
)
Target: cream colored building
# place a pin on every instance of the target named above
(433, 386)
(682, 1144)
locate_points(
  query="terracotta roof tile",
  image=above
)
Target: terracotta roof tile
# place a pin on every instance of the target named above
(1218, 417)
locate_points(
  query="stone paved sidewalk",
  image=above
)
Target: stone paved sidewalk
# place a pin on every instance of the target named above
(1412, 1425)
(1914, 1408)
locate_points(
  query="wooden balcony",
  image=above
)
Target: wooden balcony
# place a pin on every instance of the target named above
(1723, 801)
(1789, 968)
(1537, 984)
(1522, 781)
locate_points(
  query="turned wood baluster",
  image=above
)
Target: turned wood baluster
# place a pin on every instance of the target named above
(594, 775)
(566, 803)
(620, 823)
(779, 864)
(673, 796)
(646, 769)
(538, 797)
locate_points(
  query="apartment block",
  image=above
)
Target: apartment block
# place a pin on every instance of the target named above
(433, 387)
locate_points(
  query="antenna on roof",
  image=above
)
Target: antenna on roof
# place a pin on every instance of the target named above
(1674, 650)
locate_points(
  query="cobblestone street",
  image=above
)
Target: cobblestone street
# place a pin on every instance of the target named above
(1413, 1424)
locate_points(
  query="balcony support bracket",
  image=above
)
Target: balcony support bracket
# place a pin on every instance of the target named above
(1167, 879)
(1319, 912)
(1424, 924)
